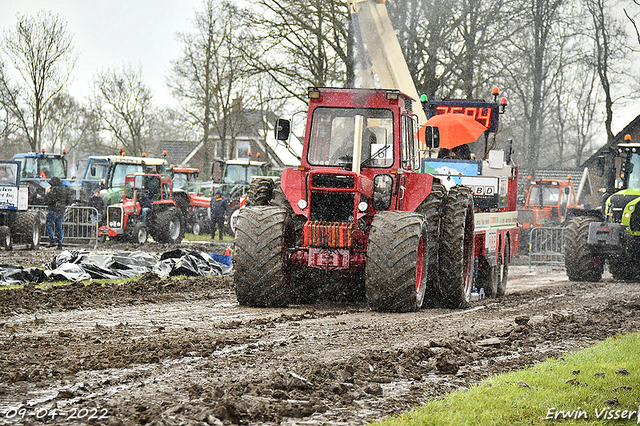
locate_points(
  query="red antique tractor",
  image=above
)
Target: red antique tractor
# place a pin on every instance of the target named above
(165, 221)
(356, 216)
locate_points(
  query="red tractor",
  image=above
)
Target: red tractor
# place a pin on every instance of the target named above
(356, 217)
(164, 222)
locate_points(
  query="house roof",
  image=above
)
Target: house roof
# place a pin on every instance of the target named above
(616, 140)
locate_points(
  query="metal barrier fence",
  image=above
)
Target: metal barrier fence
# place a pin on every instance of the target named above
(79, 226)
(546, 245)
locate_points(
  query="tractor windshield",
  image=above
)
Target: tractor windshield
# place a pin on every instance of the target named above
(8, 174)
(333, 132)
(120, 170)
(45, 168)
(634, 171)
(241, 173)
(550, 195)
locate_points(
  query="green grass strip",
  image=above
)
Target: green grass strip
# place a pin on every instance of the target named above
(549, 392)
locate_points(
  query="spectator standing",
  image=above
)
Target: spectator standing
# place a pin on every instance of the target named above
(219, 212)
(56, 200)
(96, 202)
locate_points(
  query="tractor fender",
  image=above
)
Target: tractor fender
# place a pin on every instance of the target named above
(417, 186)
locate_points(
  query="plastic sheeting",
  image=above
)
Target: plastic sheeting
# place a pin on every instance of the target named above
(81, 266)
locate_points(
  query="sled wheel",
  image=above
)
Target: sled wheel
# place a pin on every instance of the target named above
(397, 263)
(502, 271)
(456, 248)
(261, 274)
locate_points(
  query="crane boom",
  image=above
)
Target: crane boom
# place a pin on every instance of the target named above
(377, 41)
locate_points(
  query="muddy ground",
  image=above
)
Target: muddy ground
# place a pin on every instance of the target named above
(182, 352)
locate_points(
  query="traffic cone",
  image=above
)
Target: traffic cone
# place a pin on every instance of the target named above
(227, 252)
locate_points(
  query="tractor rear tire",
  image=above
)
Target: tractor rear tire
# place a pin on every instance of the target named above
(5, 237)
(169, 227)
(581, 261)
(261, 273)
(502, 270)
(26, 228)
(138, 233)
(260, 192)
(457, 248)
(397, 262)
(431, 209)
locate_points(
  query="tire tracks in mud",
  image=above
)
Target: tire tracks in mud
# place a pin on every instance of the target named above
(180, 352)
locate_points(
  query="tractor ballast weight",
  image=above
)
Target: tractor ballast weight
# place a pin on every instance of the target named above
(357, 215)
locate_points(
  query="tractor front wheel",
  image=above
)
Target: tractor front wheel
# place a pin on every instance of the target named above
(580, 260)
(26, 227)
(456, 248)
(397, 262)
(261, 274)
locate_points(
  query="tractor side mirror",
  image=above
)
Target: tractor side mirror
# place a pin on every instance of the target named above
(283, 129)
(600, 166)
(432, 137)
(567, 190)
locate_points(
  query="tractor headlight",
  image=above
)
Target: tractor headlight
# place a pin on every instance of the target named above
(382, 190)
(363, 206)
(631, 208)
(302, 204)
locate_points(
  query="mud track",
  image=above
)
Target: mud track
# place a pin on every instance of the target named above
(183, 352)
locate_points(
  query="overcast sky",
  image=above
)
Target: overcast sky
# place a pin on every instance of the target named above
(113, 33)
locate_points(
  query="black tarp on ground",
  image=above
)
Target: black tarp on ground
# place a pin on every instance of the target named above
(80, 266)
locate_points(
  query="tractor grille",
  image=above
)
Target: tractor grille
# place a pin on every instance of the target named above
(332, 181)
(618, 203)
(332, 206)
(328, 234)
(114, 216)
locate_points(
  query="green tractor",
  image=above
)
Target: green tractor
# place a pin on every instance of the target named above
(611, 233)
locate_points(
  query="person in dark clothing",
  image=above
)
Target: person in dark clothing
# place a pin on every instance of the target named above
(96, 202)
(219, 212)
(56, 200)
(145, 205)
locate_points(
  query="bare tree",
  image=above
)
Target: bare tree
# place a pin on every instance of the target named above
(211, 79)
(41, 50)
(311, 34)
(122, 101)
(632, 19)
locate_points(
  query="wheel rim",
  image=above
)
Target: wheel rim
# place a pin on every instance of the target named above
(233, 220)
(7, 240)
(420, 266)
(468, 255)
(35, 237)
(196, 228)
(174, 228)
(142, 235)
